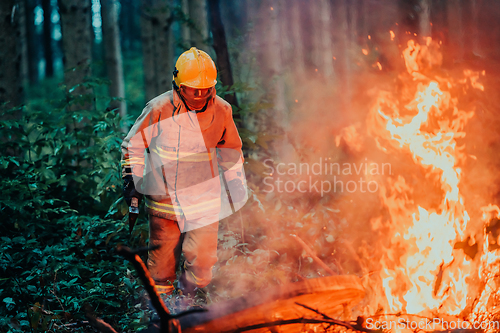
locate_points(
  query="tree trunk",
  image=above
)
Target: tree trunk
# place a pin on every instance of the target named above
(323, 57)
(23, 42)
(32, 44)
(455, 29)
(364, 22)
(438, 20)
(113, 54)
(220, 47)
(234, 18)
(272, 8)
(77, 48)
(127, 24)
(198, 14)
(352, 10)
(266, 44)
(409, 16)
(296, 38)
(11, 90)
(425, 18)
(148, 52)
(47, 38)
(470, 22)
(92, 31)
(257, 42)
(285, 37)
(185, 30)
(157, 46)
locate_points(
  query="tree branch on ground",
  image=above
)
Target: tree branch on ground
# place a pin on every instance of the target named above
(148, 283)
(99, 324)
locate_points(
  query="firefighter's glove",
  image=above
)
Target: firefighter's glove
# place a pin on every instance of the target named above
(237, 190)
(129, 190)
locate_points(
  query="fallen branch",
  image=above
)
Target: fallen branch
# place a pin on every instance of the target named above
(95, 322)
(75, 324)
(100, 324)
(283, 322)
(313, 255)
(324, 315)
(168, 322)
(148, 283)
(305, 321)
(355, 325)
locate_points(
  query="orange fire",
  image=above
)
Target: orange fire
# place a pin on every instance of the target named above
(486, 309)
(423, 271)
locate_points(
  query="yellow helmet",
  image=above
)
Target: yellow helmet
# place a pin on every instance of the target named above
(195, 69)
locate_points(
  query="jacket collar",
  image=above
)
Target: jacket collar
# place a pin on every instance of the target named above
(193, 119)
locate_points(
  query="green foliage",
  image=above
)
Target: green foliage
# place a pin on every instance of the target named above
(62, 217)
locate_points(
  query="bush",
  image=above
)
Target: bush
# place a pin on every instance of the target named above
(62, 217)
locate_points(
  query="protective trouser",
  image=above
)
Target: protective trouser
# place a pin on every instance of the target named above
(198, 245)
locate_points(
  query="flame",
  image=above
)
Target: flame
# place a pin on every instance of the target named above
(422, 271)
(392, 34)
(484, 310)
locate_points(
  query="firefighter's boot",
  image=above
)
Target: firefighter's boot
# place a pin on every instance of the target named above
(187, 288)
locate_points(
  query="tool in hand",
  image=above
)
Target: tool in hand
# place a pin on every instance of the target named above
(133, 213)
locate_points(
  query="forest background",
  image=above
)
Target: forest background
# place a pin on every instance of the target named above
(75, 74)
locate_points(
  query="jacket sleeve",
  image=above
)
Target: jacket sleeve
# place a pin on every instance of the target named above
(137, 141)
(229, 150)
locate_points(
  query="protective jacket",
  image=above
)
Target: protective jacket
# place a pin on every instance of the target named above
(179, 157)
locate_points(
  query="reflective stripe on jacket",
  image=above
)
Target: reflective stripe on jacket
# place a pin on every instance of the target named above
(178, 152)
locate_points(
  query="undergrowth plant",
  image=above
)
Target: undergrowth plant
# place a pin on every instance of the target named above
(62, 217)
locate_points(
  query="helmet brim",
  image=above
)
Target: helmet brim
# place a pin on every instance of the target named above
(199, 85)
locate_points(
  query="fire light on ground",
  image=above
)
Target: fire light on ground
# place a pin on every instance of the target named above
(424, 272)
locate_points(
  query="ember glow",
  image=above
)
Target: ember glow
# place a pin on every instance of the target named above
(423, 269)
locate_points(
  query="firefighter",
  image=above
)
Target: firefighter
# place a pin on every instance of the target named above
(183, 155)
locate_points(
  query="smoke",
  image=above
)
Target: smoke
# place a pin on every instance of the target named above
(326, 139)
